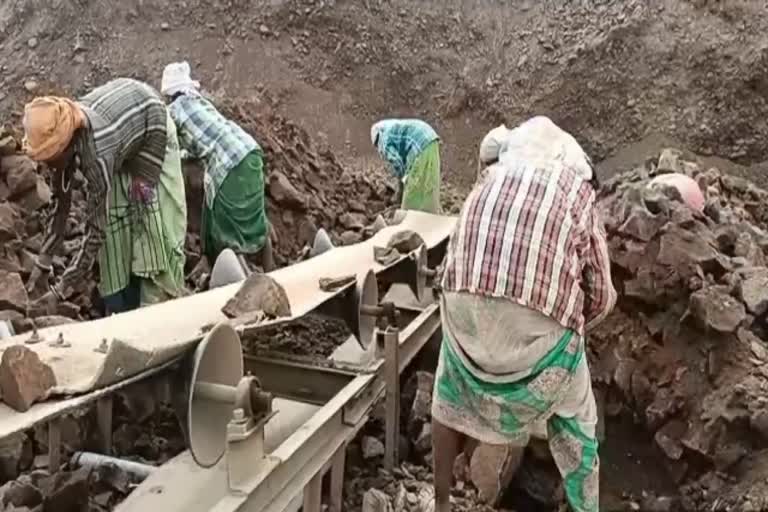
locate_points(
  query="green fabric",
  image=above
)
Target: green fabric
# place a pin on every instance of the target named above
(422, 184)
(147, 240)
(238, 218)
(510, 408)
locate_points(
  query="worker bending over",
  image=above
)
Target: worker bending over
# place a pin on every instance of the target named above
(122, 140)
(527, 273)
(234, 210)
(412, 149)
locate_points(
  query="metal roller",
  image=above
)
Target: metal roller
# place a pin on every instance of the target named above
(217, 390)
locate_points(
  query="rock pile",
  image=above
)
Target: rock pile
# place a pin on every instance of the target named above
(685, 350)
(25, 202)
(308, 187)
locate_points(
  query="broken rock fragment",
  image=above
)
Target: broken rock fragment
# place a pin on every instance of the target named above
(20, 494)
(679, 246)
(13, 295)
(16, 455)
(492, 468)
(283, 191)
(24, 379)
(353, 220)
(20, 174)
(8, 218)
(715, 309)
(259, 293)
(754, 292)
(375, 500)
(405, 241)
(372, 447)
(66, 491)
(350, 237)
(36, 197)
(421, 409)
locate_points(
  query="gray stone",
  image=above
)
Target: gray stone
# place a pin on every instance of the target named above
(715, 309)
(282, 190)
(259, 293)
(371, 447)
(671, 447)
(670, 160)
(405, 241)
(13, 294)
(678, 247)
(20, 174)
(15, 455)
(24, 378)
(38, 196)
(375, 500)
(20, 494)
(754, 292)
(8, 219)
(350, 237)
(423, 444)
(352, 220)
(492, 468)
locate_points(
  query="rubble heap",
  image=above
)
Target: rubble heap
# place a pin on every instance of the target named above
(308, 187)
(25, 205)
(685, 350)
(409, 487)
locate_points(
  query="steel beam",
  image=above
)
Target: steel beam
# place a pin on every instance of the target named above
(337, 479)
(104, 421)
(54, 445)
(313, 494)
(390, 344)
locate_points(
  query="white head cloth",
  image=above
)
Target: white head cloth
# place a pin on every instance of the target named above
(539, 139)
(177, 78)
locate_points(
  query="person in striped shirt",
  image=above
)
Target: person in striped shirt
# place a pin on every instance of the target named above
(234, 209)
(123, 143)
(527, 274)
(412, 149)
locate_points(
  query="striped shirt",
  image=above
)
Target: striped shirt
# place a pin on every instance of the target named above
(532, 234)
(401, 141)
(126, 133)
(208, 136)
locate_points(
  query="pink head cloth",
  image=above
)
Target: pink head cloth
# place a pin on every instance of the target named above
(688, 188)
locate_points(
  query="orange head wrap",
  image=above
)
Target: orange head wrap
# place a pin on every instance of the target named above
(49, 124)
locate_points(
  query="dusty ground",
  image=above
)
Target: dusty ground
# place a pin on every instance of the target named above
(625, 77)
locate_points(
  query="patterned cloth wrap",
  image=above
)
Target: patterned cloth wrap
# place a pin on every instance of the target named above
(504, 412)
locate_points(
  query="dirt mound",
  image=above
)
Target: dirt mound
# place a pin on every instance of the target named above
(685, 351)
(611, 72)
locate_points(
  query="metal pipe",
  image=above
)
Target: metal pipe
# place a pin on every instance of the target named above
(6, 329)
(94, 460)
(216, 392)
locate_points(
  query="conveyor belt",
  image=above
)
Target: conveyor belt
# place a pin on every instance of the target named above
(153, 336)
